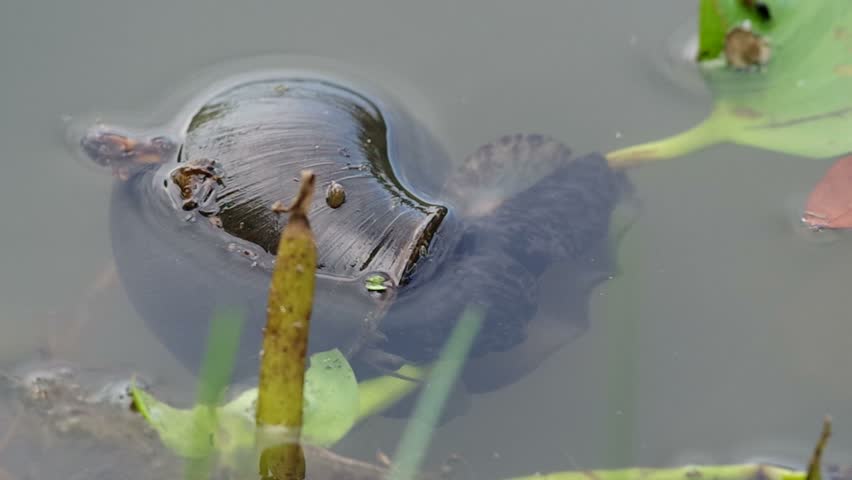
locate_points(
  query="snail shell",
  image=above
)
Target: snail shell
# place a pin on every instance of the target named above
(482, 233)
(335, 195)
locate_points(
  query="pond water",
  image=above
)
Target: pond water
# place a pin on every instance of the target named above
(722, 339)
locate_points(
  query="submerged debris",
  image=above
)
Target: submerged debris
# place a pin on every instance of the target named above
(198, 182)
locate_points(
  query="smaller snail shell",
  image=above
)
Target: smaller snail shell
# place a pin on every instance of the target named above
(335, 195)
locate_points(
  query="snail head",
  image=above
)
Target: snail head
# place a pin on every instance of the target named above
(123, 152)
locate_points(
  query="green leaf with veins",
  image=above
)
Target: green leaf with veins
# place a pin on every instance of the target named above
(800, 103)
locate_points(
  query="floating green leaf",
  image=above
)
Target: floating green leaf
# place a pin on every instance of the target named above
(330, 409)
(331, 399)
(189, 433)
(332, 405)
(799, 104)
(192, 434)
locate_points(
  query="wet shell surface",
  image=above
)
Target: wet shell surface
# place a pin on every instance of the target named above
(261, 136)
(193, 230)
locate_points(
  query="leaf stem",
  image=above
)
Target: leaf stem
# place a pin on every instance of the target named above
(285, 338)
(696, 138)
(377, 394)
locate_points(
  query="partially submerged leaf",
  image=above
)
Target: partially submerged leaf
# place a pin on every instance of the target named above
(799, 104)
(331, 399)
(333, 403)
(192, 433)
(830, 202)
(188, 433)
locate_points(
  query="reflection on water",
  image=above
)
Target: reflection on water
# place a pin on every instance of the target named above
(720, 339)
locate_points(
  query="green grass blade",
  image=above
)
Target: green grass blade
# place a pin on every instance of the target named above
(418, 433)
(223, 342)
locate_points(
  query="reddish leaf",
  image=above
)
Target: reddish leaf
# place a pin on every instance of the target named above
(830, 202)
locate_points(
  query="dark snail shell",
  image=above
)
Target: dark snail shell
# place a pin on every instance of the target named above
(262, 134)
(563, 218)
(196, 232)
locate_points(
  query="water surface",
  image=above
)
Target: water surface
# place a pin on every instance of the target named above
(723, 339)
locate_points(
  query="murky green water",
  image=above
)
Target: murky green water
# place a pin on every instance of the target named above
(724, 339)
